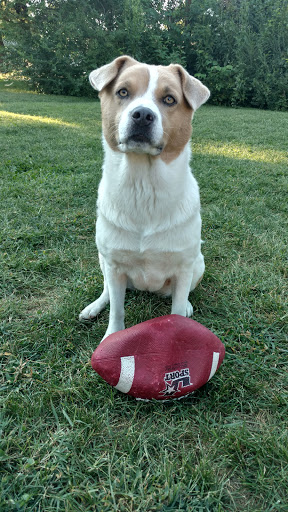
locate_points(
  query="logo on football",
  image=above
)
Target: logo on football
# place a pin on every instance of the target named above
(164, 358)
(176, 380)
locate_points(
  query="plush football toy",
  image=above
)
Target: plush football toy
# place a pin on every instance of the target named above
(164, 358)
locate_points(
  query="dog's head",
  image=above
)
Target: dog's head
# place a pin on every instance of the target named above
(145, 108)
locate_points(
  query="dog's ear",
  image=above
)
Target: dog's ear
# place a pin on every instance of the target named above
(194, 91)
(101, 77)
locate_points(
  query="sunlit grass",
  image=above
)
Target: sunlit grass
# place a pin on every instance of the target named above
(26, 118)
(241, 151)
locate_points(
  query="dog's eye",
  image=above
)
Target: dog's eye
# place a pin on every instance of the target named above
(169, 100)
(123, 93)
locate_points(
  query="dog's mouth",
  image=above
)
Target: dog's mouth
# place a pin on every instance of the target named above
(140, 138)
(140, 143)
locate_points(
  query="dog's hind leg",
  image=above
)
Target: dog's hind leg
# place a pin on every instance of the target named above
(198, 271)
(180, 291)
(189, 309)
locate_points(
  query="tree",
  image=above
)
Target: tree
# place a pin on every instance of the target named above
(13, 22)
(237, 47)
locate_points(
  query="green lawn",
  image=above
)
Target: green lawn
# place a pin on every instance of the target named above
(69, 441)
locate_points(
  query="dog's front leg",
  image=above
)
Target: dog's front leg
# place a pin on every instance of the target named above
(117, 284)
(180, 292)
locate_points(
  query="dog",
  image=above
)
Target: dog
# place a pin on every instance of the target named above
(148, 229)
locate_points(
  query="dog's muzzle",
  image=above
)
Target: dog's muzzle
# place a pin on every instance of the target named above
(140, 134)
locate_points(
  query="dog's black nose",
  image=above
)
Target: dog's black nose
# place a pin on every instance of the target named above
(142, 116)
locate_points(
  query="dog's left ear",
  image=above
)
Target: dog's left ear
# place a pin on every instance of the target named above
(194, 91)
(101, 77)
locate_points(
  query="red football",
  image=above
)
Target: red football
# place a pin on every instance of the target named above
(164, 358)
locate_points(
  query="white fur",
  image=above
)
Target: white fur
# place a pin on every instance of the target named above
(146, 100)
(148, 229)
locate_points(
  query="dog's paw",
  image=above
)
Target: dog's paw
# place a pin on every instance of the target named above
(189, 309)
(90, 312)
(85, 316)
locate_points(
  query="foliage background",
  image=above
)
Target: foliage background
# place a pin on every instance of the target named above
(238, 48)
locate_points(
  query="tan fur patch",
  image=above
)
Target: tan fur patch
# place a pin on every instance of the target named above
(177, 118)
(136, 82)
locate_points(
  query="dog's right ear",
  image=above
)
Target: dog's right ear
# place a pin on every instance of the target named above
(101, 77)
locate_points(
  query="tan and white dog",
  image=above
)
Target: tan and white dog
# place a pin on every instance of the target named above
(148, 229)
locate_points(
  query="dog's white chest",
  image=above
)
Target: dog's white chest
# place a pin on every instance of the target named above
(149, 223)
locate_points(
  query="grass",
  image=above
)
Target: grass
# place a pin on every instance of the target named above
(69, 442)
